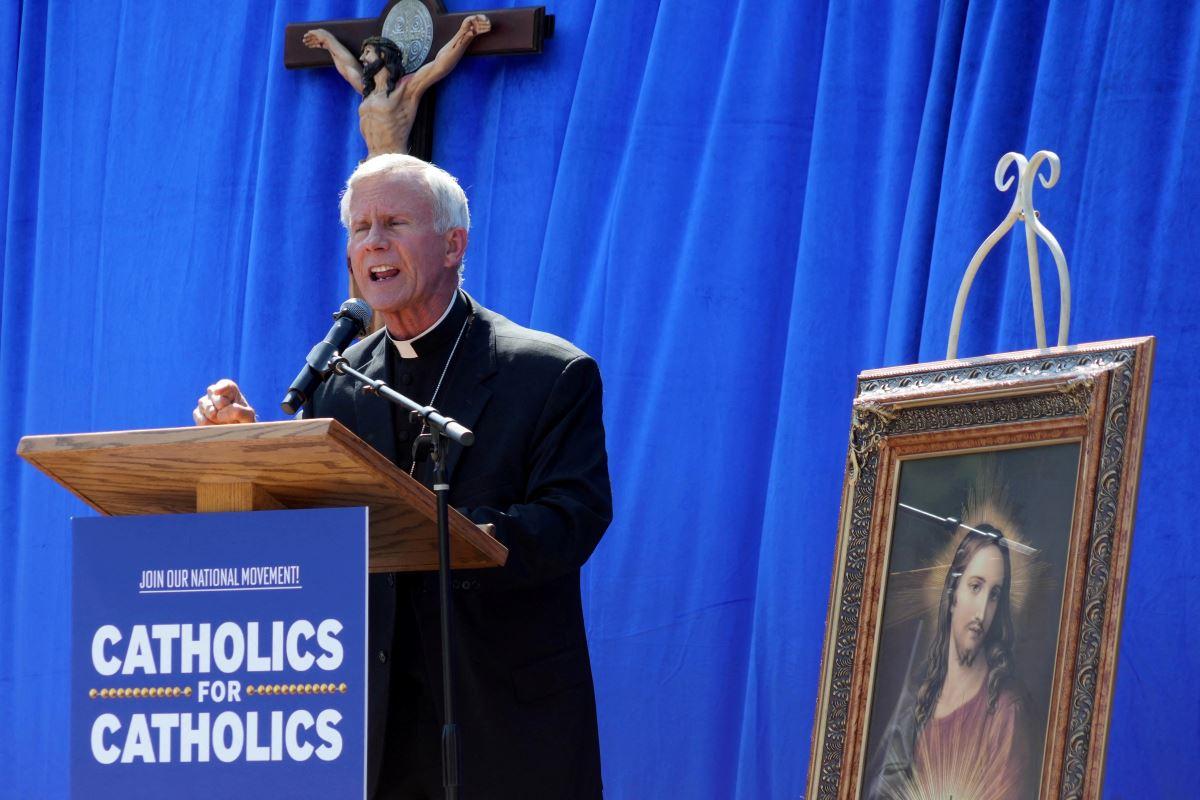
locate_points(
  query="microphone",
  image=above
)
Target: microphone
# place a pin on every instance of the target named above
(351, 320)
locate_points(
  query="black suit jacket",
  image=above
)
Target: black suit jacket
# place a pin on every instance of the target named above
(538, 471)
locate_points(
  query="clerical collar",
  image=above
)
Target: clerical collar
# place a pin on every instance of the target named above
(436, 336)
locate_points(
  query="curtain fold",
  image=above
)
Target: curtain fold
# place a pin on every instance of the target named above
(734, 206)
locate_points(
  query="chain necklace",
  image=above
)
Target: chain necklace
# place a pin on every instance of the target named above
(412, 468)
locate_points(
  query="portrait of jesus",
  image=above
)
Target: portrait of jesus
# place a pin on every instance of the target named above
(952, 715)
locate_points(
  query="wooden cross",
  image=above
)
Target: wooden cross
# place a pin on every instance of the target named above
(514, 30)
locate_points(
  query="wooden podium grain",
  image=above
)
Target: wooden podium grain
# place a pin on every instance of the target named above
(312, 463)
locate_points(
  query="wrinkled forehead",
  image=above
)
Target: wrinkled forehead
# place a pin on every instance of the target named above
(400, 190)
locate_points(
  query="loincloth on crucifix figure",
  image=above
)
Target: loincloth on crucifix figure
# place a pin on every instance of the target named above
(390, 94)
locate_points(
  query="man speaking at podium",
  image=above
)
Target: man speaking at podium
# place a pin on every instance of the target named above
(537, 471)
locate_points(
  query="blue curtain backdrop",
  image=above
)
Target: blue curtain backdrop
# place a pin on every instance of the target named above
(735, 206)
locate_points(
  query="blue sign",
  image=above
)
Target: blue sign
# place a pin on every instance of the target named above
(220, 655)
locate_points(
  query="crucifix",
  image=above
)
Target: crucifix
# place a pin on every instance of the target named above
(428, 41)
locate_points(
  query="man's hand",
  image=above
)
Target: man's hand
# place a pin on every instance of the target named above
(475, 24)
(318, 38)
(223, 403)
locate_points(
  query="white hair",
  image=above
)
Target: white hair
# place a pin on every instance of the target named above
(449, 200)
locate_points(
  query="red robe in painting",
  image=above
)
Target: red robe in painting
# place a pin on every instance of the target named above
(971, 754)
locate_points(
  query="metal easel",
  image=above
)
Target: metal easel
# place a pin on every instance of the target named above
(1021, 209)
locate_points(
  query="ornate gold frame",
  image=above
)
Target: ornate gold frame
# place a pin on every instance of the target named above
(1096, 394)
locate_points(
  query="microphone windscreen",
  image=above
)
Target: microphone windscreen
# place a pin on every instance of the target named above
(357, 310)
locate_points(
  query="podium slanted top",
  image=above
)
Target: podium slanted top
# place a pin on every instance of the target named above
(264, 465)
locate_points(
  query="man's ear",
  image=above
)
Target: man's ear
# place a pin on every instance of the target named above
(456, 246)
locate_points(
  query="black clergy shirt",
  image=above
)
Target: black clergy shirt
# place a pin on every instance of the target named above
(412, 749)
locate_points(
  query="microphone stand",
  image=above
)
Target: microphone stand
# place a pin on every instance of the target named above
(440, 428)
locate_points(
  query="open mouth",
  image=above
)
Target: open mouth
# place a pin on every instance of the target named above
(383, 273)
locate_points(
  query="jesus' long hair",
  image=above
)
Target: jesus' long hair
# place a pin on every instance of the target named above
(391, 58)
(997, 643)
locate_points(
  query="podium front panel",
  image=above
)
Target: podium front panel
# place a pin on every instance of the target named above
(219, 655)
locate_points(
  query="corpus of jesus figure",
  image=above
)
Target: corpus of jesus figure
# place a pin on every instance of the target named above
(390, 97)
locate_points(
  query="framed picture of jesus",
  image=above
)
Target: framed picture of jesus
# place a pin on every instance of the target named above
(976, 598)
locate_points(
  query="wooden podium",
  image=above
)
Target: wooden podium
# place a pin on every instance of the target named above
(257, 467)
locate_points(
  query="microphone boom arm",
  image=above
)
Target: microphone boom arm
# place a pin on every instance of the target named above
(437, 421)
